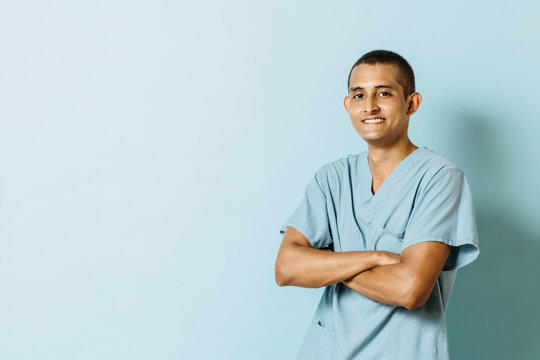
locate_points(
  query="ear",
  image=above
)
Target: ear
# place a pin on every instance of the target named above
(414, 103)
(346, 103)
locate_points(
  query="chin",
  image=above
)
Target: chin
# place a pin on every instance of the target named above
(377, 141)
(370, 138)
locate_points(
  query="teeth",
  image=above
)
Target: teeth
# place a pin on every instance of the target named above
(374, 120)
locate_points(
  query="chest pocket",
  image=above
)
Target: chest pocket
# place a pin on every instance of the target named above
(391, 220)
(386, 240)
(388, 229)
(376, 235)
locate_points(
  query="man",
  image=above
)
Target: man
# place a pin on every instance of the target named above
(384, 231)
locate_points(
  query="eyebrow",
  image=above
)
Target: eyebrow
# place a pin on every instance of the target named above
(376, 87)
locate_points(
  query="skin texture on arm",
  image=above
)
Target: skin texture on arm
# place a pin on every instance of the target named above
(408, 283)
(299, 264)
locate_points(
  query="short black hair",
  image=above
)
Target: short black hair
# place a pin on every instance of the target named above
(406, 74)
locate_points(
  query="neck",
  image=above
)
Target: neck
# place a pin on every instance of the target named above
(383, 159)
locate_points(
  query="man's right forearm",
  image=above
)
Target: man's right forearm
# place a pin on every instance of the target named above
(313, 268)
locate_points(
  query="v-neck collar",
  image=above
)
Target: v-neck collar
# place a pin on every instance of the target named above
(373, 201)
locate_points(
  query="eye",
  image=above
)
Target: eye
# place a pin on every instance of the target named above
(357, 96)
(384, 92)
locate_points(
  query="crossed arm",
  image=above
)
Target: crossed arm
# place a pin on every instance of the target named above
(399, 280)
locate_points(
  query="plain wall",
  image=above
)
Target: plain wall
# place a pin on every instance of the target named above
(150, 152)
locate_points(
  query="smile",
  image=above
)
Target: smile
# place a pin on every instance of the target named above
(373, 121)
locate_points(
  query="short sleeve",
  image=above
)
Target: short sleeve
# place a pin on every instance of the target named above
(444, 212)
(311, 215)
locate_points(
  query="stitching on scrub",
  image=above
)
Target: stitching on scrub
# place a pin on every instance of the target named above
(318, 172)
(448, 241)
(440, 173)
(398, 236)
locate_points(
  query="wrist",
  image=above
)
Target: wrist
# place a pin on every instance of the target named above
(380, 257)
(372, 258)
(387, 258)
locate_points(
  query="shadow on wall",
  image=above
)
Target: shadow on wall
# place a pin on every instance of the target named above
(493, 311)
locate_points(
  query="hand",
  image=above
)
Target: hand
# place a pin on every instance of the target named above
(388, 258)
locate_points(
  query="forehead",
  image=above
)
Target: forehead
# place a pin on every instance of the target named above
(368, 76)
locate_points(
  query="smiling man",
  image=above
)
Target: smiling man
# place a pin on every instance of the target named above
(384, 230)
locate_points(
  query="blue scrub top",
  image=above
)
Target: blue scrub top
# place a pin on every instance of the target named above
(425, 198)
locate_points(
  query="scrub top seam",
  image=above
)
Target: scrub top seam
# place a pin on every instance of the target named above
(444, 239)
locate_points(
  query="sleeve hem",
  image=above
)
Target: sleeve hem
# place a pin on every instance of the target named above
(443, 239)
(300, 228)
(465, 253)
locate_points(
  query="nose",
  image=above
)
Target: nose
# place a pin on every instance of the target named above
(371, 105)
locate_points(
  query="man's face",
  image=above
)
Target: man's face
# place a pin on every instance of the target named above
(375, 94)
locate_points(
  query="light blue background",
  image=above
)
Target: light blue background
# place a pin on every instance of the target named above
(150, 152)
